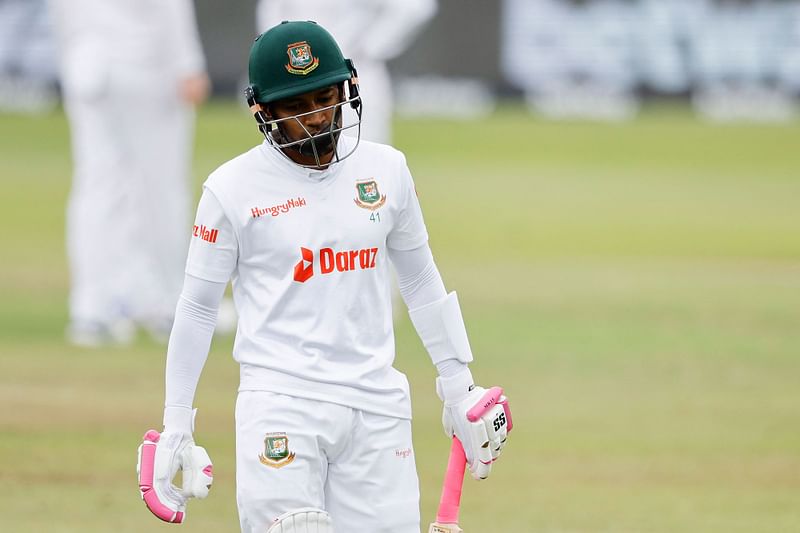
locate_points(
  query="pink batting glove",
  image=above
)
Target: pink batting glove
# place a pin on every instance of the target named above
(480, 418)
(159, 459)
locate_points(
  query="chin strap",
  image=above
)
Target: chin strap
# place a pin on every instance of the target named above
(352, 88)
(257, 110)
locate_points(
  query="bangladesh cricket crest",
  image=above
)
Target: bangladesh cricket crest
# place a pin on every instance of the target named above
(369, 197)
(276, 451)
(301, 60)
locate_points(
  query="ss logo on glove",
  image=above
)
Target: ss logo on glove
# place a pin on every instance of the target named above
(499, 421)
(481, 419)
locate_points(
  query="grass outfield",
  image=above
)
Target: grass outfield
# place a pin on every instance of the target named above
(636, 289)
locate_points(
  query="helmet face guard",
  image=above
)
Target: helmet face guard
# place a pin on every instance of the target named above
(311, 145)
(295, 58)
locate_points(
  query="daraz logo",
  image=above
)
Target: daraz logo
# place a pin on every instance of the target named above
(302, 271)
(330, 260)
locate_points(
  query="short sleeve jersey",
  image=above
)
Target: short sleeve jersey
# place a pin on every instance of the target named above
(306, 252)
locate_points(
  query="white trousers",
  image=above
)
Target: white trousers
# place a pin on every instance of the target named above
(128, 213)
(293, 452)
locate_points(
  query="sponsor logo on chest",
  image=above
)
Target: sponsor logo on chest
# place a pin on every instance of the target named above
(276, 210)
(328, 261)
(205, 234)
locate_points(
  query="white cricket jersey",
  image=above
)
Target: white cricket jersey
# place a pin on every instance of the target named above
(306, 252)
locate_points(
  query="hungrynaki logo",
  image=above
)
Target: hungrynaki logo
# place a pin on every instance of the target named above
(330, 260)
(276, 210)
(205, 234)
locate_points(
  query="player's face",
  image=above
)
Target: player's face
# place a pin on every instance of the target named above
(311, 114)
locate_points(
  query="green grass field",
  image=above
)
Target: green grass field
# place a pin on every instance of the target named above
(635, 288)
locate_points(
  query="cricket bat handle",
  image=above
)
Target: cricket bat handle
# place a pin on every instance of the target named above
(449, 503)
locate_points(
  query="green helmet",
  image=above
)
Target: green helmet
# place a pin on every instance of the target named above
(294, 58)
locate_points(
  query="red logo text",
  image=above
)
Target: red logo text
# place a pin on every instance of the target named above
(276, 210)
(330, 260)
(205, 234)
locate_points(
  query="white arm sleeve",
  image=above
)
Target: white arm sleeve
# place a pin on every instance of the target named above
(417, 276)
(420, 286)
(195, 318)
(212, 259)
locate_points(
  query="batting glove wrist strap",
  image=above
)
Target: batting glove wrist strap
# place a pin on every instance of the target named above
(179, 419)
(453, 389)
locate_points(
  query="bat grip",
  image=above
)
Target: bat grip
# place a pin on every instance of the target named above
(453, 482)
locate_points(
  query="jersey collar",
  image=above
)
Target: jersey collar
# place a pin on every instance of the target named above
(285, 166)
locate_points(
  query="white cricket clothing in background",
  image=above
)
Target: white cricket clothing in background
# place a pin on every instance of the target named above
(121, 66)
(307, 254)
(370, 32)
(295, 452)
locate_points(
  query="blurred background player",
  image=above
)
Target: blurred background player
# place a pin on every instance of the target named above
(131, 73)
(373, 32)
